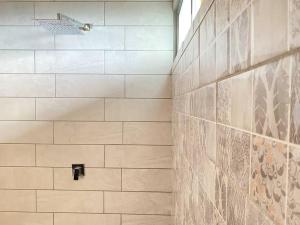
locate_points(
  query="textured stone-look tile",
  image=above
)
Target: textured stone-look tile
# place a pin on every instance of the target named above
(222, 54)
(236, 7)
(268, 177)
(293, 210)
(66, 155)
(221, 192)
(271, 99)
(70, 201)
(19, 218)
(154, 133)
(138, 109)
(254, 216)
(148, 86)
(138, 13)
(146, 220)
(89, 86)
(208, 66)
(223, 148)
(13, 61)
(135, 156)
(147, 180)
(17, 109)
(87, 133)
(17, 155)
(207, 28)
(26, 85)
(81, 219)
(128, 203)
(294, 23)
(240, 42)
(222, 15)
(269, 29)
(234, 101)
(236, 205)
(26, 178)
(23, 132)
(94, 179)
(295, 101)
(17, 200)
(16, 13)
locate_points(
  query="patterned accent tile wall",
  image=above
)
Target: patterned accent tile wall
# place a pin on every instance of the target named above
(236, 120)
(102, 99)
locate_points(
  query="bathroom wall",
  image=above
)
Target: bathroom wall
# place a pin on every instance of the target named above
(236, 83)
(102, 99)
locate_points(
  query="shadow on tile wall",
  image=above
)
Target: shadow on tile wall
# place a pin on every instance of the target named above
(236, 115)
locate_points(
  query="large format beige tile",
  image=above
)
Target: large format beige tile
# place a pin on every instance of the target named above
(146, 220)
(89, 86)
(18, 218)
(147, 180)
(94, 179)
(13, 61)
(138, 109)
(16, 13)
(294, 23)
(81, 219)
(26, 132)
(77, 10)
(138, 13)
(153, 133)
(270, 26)
(70, 201)
(26, 178)
(17, 155)
(17, 109)
(207, 72)
(138, 62)
(130, 203)
(66, 155)
(26, 85)
(17, 200)
(134, 156)
(69, 61)
(148, 86)
(87, 132)
(79, 109)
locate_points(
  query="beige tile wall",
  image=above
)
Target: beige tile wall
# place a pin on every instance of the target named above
(102, 99)
(236, 126)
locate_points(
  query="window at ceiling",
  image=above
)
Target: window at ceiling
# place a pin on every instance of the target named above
(187, 12)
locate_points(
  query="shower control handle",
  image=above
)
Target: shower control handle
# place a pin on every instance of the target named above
(78, 170)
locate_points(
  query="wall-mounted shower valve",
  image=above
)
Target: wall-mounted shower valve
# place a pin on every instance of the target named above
(77, 170)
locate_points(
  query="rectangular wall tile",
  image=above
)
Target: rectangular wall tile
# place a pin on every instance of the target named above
(66, 155)
(89, 86)
(131, 156)
(69, 61)
(138, 13)
(70, 201)
(26, 132)
(81, 219)
(78, 10)
(16, 13)
(148, 86)
(104, 38)
(69, 109)
(149, 38)
(94, 179)
(18, 218)
(126, 202)
(138, 110)
(26, 178)
(17, 155)
(147, 180)
(13, 61)
(207, 72)
(294, 20)
(153, 133)
(138, 62)
(17, 109)
(21, 200)
(26, 85)
(88, 133)
(146, 220)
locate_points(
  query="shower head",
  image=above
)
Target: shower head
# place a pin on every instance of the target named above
(64, 25)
